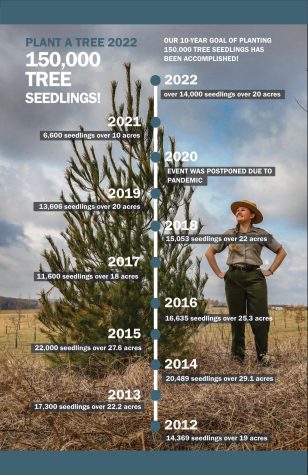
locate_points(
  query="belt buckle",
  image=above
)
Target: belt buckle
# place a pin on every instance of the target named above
(243, 268)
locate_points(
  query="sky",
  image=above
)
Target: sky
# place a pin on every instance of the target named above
(224, 133)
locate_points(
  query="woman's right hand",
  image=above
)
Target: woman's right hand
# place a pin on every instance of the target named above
(221, 275)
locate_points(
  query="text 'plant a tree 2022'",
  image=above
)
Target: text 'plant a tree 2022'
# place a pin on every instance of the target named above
(86, 310)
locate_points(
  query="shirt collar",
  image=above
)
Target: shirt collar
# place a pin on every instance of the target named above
(251, 230)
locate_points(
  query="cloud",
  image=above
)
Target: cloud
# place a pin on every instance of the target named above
(23, 183)
(10, 233)
(223, 132)
(283, 146)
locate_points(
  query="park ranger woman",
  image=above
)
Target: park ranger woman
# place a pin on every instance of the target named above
(245, 281)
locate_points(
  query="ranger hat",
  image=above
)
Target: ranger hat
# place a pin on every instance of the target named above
(250, 205)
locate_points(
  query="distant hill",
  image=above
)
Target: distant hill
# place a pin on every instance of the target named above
(215, 303)
(10, 303)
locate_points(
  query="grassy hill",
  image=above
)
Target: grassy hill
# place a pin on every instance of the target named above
(11, 303)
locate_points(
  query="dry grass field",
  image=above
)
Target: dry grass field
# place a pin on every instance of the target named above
(289, 323)
(20, 328)
(278, 410)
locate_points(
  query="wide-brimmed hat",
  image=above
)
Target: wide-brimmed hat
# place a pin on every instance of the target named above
(250, 205)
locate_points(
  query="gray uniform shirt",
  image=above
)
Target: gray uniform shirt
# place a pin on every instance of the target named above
(247, 253)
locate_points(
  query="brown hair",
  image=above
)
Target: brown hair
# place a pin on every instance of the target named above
(233, 246)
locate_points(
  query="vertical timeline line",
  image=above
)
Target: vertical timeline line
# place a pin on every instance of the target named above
(155, 303)
(155, 254)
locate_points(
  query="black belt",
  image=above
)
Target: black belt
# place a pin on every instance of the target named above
(244, 267)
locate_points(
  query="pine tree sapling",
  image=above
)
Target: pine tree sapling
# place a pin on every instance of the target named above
(86, 310)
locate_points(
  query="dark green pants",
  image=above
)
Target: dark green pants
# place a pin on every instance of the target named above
(246, 294)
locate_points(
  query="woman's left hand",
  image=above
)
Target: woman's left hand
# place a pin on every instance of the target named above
(265, 272)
